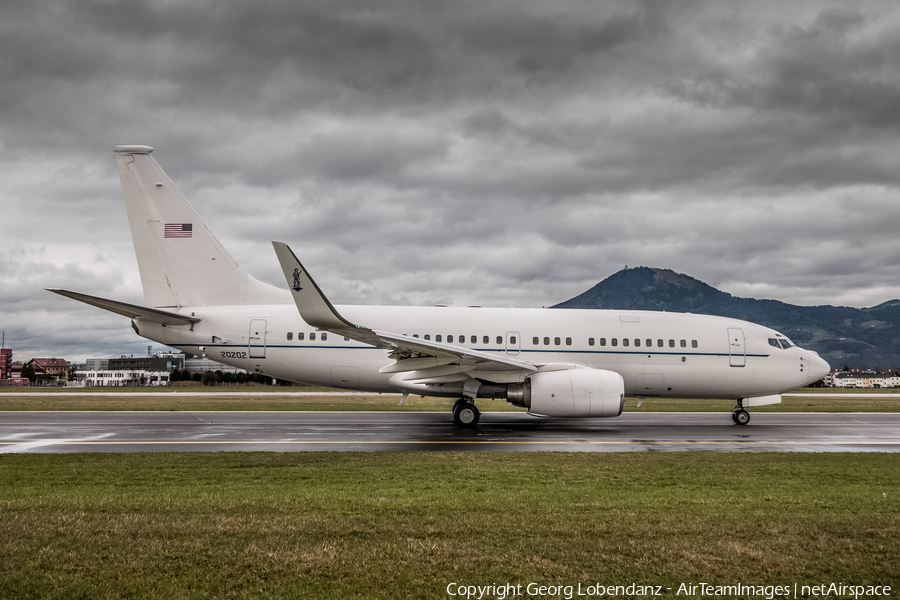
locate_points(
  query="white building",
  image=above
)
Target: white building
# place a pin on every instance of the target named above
(123, 378)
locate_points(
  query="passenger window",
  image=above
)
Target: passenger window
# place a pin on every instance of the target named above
(671, 343)
(312, 336)
(590, 341)
(474, 339)
(660, 343)
(568, 341)
(693, 343)
(684, 343)
(290, 335)
(437, 338)
(512, 340)
(546, 341)
(499, 340)
(625, 342)
(462, 339)
(449, 339)
(486, 340)
(614, 342)
(637, 343)
(649, 343)
(415, 335)
(427, 336)
(556, 341)
(324, 336)
(535, 341)
(300, 336)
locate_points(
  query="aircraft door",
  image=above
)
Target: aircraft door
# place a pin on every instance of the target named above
(256, 342)
(737, 355)
(513, 342)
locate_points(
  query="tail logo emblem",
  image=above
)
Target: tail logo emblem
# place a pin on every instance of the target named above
(296, 287)
(178, 230)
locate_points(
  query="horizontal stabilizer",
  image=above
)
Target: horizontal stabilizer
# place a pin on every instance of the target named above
(132, 311)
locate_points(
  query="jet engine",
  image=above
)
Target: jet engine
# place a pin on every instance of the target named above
(575, 392)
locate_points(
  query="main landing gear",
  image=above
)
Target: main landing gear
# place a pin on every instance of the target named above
(739, 415)
(465, 414)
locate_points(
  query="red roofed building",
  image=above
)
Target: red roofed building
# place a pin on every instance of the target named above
(49, 369)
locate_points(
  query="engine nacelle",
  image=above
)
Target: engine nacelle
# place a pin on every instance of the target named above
(579, 392)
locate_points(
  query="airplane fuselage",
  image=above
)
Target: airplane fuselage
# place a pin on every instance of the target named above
(657, 354)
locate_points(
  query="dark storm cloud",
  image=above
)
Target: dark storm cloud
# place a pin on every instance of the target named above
(462, 152)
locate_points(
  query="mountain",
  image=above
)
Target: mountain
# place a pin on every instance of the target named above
(855, 337)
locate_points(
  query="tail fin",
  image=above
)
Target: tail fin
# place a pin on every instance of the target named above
(180, 260)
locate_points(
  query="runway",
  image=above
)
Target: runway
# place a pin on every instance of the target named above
(65, 432)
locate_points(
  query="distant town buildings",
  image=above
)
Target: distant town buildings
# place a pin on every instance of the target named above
(863, 379)
(152, 370)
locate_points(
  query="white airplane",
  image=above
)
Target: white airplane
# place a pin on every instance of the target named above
(552, 362)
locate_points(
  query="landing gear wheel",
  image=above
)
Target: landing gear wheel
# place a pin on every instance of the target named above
(740, 417)
(465, 414)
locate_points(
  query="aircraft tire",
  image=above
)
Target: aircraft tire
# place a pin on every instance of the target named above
(466, 414)
(741, 417)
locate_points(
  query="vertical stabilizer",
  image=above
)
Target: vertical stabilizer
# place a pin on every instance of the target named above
(180, 260)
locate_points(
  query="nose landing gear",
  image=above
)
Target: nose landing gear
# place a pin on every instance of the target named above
(739, 415)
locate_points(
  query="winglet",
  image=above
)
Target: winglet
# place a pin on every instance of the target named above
(314, 307)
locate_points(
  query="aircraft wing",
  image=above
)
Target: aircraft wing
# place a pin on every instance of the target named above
(132, 311)
(410, 353)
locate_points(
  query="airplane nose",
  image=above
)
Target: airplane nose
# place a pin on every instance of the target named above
(818, 368)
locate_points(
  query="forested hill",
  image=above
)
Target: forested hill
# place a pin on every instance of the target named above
(856, 337)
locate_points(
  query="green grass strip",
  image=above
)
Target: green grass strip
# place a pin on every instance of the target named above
(405, 525)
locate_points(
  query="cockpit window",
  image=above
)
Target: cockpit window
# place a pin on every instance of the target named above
(780, 343)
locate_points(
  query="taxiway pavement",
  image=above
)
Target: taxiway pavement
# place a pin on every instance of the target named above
(139, 431)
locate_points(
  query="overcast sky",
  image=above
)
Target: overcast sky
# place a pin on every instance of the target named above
(419, 152)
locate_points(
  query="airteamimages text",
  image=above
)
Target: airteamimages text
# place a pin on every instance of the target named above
(502, 591)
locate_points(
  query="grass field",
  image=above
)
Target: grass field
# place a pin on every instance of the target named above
(123, 399)
(406, 525)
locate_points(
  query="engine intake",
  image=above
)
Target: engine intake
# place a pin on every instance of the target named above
(578, 392)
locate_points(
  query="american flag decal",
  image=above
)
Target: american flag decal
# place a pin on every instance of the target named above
(178, 230)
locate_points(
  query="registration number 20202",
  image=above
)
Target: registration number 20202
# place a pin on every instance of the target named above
(234, 355)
